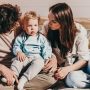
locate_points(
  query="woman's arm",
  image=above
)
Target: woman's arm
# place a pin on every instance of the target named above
(76, 66)
(62, 72)
(82, 52)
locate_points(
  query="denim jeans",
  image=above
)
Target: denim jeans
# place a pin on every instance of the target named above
(80, 78)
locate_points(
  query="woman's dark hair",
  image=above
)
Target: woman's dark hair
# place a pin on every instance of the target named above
(9, 14)
(63, 15)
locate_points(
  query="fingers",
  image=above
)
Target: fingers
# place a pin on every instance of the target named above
(10, 81)
(47, 61)
(59, 69)
(16, 79)
(59, 74)
(46, 66)
(9, 78)
(53, 69)
(50, 66)
(21, 58)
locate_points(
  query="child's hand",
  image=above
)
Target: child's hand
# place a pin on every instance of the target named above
(21, 56)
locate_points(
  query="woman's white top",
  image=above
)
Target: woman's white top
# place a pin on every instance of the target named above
(80, 47)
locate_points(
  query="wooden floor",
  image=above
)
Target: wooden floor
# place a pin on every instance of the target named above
(12, 88)
(62, 88)
(69, 89)
(8, 88)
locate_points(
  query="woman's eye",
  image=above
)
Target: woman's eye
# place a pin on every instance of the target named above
(54, 21)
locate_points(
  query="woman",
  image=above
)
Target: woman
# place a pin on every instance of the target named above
(9, 16)
(70, 44)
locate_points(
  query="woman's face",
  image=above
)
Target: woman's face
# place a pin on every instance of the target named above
(53, 24)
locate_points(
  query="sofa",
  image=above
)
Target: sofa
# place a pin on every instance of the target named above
(84, 21)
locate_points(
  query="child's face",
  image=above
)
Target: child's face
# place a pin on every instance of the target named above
(31, 27)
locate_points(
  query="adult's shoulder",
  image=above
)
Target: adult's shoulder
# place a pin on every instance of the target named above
(81, 35)
(81, 29)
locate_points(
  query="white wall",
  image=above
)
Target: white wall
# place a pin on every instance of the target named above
(80, 8)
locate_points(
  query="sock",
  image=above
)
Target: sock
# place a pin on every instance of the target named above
(22, 82)
(5, 80)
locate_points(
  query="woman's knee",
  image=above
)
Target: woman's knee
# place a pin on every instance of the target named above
(76, 79)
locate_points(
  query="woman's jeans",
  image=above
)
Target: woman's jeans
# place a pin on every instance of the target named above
(80, 78)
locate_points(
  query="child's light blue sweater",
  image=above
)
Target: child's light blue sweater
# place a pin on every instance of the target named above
(32, 45)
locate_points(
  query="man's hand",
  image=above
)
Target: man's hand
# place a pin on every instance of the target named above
(8, 74)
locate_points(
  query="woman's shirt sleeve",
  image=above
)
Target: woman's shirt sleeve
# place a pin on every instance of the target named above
(82, 44)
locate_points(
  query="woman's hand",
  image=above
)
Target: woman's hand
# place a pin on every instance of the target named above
(61, 72)
(8, 74)
(50, 65)
(21, 56)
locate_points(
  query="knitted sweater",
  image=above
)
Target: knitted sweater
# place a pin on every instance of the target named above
(5, 47)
